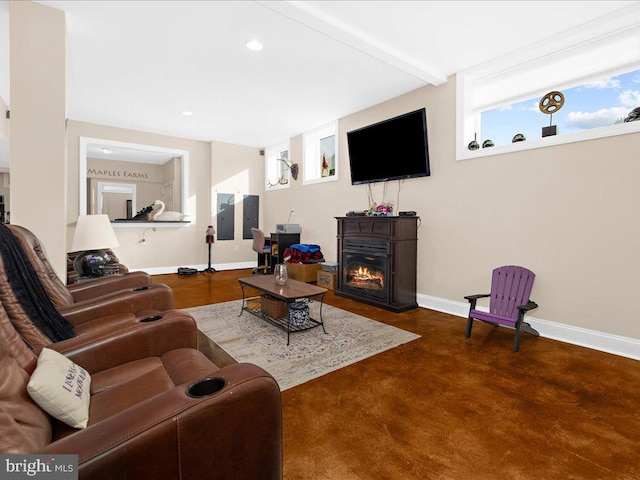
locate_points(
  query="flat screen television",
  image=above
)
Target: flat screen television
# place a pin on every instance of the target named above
(393, 149)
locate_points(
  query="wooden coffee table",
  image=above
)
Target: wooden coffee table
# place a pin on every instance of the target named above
(289, 293)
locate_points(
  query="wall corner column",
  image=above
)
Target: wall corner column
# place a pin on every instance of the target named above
(38, 124)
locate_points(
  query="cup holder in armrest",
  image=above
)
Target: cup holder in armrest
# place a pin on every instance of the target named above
(205, 387)
(152, 318)
(139, 289)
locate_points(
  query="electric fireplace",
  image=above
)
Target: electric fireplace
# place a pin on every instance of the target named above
(377, 261)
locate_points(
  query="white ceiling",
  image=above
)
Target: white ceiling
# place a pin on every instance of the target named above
(139, 64)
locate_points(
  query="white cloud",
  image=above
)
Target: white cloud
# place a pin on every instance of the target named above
(601, 118)
(630, 98)
(604, 83)
(535, 107)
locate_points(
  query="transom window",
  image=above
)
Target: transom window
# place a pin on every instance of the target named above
(596, 68)
(608, 101)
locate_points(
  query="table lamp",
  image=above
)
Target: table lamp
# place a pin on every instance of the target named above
(93, 235)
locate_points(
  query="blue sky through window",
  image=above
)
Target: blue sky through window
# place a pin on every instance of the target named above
(593, 105)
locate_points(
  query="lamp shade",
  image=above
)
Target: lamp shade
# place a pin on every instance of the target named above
(93, 232)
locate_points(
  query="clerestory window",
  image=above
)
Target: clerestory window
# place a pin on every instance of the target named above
(595, 68)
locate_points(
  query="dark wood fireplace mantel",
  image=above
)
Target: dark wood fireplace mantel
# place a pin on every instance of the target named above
(377, 261)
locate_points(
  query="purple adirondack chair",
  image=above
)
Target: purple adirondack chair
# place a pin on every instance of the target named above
(510, 289)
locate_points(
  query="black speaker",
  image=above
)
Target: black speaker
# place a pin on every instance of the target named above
(187, 271)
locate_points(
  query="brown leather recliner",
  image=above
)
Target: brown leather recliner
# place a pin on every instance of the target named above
(142, 422)
(128, 293)
(182, 327)
(95, 320)
(58, 291)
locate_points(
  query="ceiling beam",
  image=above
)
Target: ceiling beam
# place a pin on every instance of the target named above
(305, 14)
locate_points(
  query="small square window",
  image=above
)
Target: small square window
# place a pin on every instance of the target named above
(321, 154)
(277, 167)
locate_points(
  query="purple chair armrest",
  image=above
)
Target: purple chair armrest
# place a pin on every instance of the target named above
(529, 306)
(474, 298)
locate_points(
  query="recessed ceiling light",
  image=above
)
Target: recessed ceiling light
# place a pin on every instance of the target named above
(254, 45)
(186, 113)
(107, 150)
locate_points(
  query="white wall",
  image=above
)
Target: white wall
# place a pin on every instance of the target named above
(237, 170)
(212, 166)
(566, 212)
(4, 50)
(165, 247)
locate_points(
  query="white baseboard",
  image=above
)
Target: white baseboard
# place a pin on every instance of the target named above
(201, 267)
(602, 341)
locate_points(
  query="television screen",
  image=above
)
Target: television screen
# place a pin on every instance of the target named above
(393, 149)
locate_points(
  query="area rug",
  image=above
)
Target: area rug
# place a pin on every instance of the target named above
(310, 354)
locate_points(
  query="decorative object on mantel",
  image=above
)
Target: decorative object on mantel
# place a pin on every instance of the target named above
(159, 215)
(473, 144)
(549, 104)
(382, 210)
(634, 115)
(487, 143)
(518, 137)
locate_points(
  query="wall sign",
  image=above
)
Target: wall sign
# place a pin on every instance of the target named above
(95, 173)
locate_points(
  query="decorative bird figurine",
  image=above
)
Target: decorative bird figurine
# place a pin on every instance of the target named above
(159, 215)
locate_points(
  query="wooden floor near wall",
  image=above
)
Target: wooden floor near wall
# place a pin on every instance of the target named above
(446, 407)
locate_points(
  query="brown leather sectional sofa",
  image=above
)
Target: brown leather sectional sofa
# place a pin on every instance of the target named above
(143, 423)
(159, 409)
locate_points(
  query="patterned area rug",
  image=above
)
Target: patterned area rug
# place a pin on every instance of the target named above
(312, 353)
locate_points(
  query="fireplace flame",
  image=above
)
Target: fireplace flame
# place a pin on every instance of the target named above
(363, 277)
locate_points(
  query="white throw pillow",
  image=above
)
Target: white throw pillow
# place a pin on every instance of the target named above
(61, 388)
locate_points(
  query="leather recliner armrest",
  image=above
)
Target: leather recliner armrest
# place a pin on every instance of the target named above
(234, 433)
(151, 297)
(105, 285)
(117, 346)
